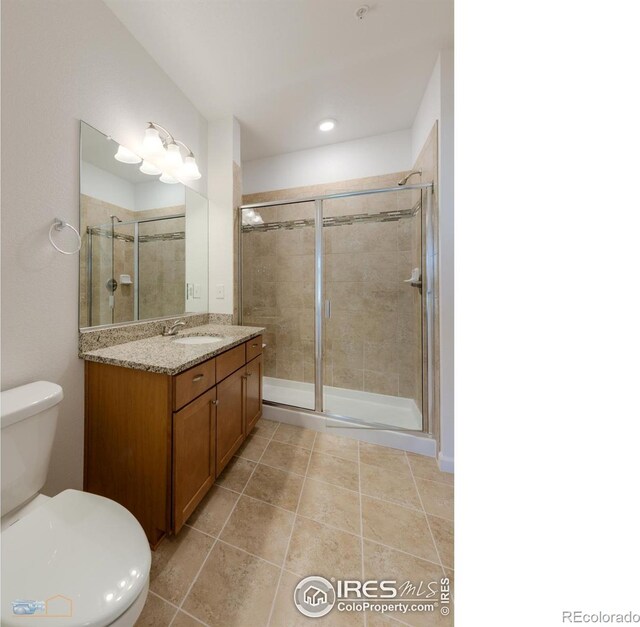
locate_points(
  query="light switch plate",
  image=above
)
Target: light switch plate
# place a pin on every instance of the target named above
(189, 291)
(197, 290)
(219, 291)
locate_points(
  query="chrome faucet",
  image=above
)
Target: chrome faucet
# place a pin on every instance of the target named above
(172, 329)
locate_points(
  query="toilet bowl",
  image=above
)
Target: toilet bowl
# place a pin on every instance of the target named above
(76, 558)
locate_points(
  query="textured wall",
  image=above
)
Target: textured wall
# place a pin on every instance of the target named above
(63, 62)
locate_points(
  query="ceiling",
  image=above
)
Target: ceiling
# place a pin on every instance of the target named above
(281, 66)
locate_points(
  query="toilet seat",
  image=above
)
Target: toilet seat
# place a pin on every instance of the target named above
(78, 554)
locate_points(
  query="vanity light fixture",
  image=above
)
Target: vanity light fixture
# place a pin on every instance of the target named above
(152, 145)
(249, 216)
(327, 125)
(167, 178)
(173, 158)
(189, 171)
(163, 156)
(149, 168)
(124, 155)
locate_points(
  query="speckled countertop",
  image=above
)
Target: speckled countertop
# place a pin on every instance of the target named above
(161, 354)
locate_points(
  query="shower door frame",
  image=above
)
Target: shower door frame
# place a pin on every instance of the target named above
(427, 418)
(136, 264)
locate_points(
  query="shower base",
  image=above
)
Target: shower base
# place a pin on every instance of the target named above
(373, 410)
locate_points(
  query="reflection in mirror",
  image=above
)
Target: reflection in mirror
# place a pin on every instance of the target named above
(144, 242)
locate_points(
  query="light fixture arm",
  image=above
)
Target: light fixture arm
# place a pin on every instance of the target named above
(170, 139)
(189, 151)
(164, 130)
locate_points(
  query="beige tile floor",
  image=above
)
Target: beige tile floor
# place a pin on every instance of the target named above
(294, 503)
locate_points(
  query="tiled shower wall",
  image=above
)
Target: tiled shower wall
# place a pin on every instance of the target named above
(162, 265)
(373, 337)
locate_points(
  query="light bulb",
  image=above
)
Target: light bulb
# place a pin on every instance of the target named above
(148, 168)
(189, 171)
(173, 158)
(152, 144)
(167, 178)
(257, 219)
(249, 213)
(124, 155)
(327, 125)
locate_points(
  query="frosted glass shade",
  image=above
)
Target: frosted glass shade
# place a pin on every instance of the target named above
(124, 155)
(148, 168)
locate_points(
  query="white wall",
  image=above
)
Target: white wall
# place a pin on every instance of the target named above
(99, 183)
(428, 112)
(438, 105)
(157, 195)
(224, 149)
(63, 62)
(103, 185)
(369, 156)
(197, 250)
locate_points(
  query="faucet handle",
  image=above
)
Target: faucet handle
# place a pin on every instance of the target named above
(170, 329)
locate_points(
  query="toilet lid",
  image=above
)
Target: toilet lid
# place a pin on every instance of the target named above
(79, 559)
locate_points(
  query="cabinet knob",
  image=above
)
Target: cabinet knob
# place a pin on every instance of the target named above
(254, 346)
(198, 377)
(214, 402)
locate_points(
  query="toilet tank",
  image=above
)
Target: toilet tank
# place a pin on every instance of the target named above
(28, 417)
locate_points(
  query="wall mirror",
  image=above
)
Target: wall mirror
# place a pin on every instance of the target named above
(144, 242)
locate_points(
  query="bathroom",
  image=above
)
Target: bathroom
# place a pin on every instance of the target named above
(227, 308)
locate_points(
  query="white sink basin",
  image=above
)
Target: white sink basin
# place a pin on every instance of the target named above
(199, 339)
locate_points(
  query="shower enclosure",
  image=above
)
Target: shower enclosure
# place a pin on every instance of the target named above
(342, 284)
(135, 269)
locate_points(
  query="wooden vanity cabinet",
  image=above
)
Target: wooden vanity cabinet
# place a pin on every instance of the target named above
(253, 393)
(194, 455)
(230, 430)
(155, 443)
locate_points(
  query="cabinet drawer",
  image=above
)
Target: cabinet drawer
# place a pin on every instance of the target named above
(193, 382)
(254, 347)
(229, 362)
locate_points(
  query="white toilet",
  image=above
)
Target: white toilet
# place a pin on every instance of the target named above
(76, 558)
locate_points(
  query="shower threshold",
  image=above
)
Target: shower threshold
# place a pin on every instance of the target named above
(367, 407)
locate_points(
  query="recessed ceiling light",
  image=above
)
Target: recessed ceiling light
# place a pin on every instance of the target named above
(327, 125)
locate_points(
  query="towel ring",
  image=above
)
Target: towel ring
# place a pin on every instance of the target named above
(58, 225)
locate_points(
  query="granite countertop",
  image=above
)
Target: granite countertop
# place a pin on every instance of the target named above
(161, 354)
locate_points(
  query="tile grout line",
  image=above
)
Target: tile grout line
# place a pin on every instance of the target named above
(177, 609)
(318, 452)
(354, 461)
(335, 485)
(324, 524)
(433, 539)
(186, 596)
(286, 553)
(361, 527)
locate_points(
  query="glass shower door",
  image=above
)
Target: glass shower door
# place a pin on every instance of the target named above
(278, 288)
(109, 259)
(161, 267)
(372, 252)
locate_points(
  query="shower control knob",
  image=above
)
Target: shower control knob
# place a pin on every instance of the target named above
(112, 285)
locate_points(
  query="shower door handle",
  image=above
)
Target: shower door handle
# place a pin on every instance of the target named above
(327, 309)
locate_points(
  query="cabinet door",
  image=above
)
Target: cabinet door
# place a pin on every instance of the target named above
(194, 457)
(253, 393)
(230, 426)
